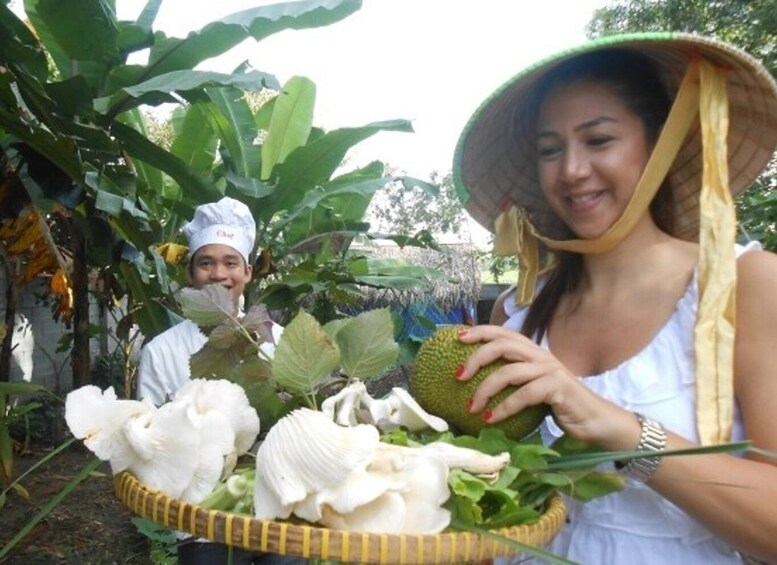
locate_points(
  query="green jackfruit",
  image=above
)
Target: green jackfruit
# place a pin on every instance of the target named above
(436, 389)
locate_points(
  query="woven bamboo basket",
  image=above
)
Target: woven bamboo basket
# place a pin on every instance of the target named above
(322, 543)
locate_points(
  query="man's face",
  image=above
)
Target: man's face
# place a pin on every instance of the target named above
(216, 263)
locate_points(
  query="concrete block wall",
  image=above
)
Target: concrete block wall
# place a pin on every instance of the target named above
(36, 336)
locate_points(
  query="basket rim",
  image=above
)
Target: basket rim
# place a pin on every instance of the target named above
(310, 541)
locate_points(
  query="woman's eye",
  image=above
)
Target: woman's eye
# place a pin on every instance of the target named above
(599, 140)
(548, 151)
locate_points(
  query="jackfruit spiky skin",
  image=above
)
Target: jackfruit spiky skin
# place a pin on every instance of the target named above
(436, 389)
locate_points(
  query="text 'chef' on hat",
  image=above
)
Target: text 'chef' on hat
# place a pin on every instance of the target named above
(227, 222)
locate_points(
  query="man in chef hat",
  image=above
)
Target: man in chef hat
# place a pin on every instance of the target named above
(221, 238)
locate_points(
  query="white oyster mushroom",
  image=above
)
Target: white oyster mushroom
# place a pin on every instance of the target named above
(228, 398)
(180, 448)
(353, 405)
(345, 477)
(401, 490)
(377, 410)
(305, 452)
(343, 406)
(385, 514)
(405, 411)
(97, 418)
(216, 454)
(166, 445)
(472, 460)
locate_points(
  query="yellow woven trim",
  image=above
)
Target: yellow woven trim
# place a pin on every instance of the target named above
(212, 524)
(263, 536)
(228, 529)
(714, 331)
(384, 554)
(365, 548)
(192, 518)
(305, 541)
(168, 503)
(325, 545)
(345, 547)
(180, 516)
(282, 537)
(402, 550)
(246, 533)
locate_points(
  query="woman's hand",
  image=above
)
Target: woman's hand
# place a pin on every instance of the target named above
(543, 379)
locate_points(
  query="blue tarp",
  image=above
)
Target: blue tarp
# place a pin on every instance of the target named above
(419, 319)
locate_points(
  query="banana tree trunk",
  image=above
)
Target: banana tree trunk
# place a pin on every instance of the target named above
(80, 360)
(11, 299)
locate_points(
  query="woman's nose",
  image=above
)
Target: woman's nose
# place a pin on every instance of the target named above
(575, 164)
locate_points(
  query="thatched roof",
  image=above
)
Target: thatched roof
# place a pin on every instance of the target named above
(459, 263)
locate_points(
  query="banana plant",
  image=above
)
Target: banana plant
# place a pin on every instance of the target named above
(71, 129)
(308, 210)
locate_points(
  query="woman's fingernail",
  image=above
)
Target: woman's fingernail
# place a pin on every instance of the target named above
(459, 371)
(462, 332)
(470, 402)
(487, 415)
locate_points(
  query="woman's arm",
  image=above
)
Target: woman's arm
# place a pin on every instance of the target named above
(734, 497)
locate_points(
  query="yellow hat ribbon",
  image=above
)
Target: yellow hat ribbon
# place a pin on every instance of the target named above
(515, 235)
(702, 91)
(714, 332)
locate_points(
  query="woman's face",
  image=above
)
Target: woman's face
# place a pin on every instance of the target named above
(591, 152)
(221, 264)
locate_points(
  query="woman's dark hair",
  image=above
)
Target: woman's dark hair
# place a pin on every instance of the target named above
(634, 79)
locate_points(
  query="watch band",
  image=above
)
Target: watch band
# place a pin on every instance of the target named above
(652, 438)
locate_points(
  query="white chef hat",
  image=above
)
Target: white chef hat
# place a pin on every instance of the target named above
(228, 222)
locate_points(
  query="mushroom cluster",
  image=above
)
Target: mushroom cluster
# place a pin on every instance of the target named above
(344, 477)
(353, 405)
(183, 448)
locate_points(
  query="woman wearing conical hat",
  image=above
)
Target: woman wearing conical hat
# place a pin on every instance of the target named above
(609, 170)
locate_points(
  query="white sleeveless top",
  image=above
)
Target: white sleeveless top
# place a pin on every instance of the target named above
(637, 525)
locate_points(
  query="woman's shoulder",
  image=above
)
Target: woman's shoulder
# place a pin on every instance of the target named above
(757, 271)
(499, 312)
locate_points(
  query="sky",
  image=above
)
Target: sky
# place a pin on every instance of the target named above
(428, 61)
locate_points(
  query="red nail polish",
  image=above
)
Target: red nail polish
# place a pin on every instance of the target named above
(470, 402)
(487, 415)
(462, 332)
(459, 371)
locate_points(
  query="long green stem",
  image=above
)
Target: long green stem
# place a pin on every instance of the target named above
(50, 505)
(38, 463)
